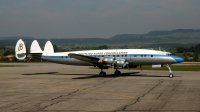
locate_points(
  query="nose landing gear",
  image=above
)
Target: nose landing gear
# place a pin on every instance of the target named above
(170, 74)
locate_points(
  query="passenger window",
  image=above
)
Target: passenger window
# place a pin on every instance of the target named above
(117, 55)
(135, 55)
(141, 55)
(125, 55)
(144, 55)
(151, 55)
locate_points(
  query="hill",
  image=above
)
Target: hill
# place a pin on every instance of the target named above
(19, 37)
(173, 38)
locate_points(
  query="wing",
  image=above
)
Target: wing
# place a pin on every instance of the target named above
(84, 58)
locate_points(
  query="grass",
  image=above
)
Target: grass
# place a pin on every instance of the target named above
(180, 67)
(173, 67)
(13, 66)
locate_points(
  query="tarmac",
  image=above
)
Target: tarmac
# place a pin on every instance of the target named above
(49, 87)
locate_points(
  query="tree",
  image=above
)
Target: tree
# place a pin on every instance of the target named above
(197, 47)
(6, 53)
(181, 49)
(55, 48)
(102, 47)
(196, 55)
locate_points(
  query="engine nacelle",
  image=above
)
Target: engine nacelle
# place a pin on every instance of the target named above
(120, 63)
(108, 60)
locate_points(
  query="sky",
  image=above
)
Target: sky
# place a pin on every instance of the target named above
(95, 18)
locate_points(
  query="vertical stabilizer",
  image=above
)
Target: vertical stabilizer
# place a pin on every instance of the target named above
(48, 48)
(20, 50)
(35, 47)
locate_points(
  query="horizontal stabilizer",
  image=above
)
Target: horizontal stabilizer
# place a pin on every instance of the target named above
(20, 50)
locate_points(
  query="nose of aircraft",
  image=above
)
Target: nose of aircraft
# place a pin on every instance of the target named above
(178, 59)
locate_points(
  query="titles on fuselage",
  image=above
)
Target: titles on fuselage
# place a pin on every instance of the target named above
(103, 53)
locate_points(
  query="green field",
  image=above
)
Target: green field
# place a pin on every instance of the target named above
(173, 67)
(13, 66)
(180, 67)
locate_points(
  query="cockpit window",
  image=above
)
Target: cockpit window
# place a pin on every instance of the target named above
(170, 54)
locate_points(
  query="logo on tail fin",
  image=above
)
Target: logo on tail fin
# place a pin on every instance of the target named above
(20, 47)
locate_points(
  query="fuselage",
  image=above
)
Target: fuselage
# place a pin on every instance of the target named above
(132, 56)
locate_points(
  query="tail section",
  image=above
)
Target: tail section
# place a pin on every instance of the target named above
(35, 47)
(48, 48)
(35, 50)
(20, 50)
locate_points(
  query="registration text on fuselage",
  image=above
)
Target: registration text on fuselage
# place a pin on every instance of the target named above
(104, 53)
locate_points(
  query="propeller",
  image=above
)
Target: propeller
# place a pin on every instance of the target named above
(127, 64)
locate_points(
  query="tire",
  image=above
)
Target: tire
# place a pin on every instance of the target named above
(117, 73)
(171, 75)
(102, 74)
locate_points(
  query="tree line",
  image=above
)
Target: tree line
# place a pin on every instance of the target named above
(192, 51)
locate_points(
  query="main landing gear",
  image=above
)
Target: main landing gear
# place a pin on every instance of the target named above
(170, 74)
(117, 72)
(103, 74)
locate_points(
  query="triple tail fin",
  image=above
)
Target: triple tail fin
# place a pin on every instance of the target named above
(35, 50)
(48, 48)
(35, 47)
(20, 50)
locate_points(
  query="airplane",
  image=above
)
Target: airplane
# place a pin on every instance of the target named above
(103, 59)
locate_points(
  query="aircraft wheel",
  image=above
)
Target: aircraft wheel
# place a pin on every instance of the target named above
(171, 75)
(117, 73)
(102, 74)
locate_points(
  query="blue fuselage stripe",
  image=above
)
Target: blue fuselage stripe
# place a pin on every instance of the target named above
(117, 56)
